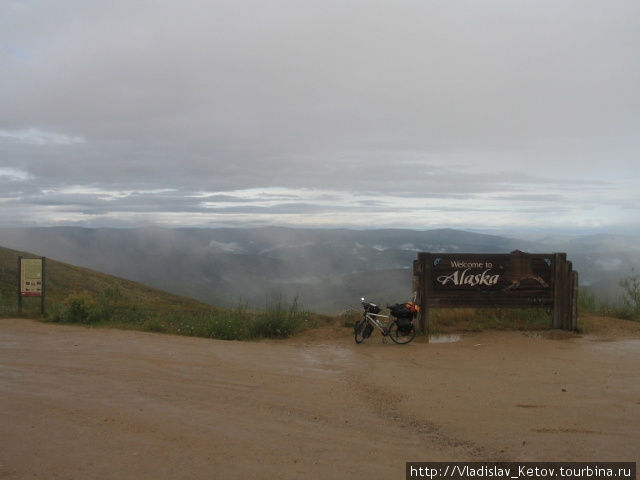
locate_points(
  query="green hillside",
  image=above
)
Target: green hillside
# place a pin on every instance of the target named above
(79, 295)
(63, 280)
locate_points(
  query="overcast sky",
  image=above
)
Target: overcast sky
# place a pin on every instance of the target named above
(416, 114)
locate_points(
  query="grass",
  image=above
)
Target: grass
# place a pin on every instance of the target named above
(624, 309)
(279, 319)
(77, 295)
(444, 320)
(80, 296)
(63, 280)
(469, 319)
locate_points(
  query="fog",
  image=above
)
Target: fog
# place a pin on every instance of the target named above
(327, 270)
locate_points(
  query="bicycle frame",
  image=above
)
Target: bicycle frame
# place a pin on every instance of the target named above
(373, 318)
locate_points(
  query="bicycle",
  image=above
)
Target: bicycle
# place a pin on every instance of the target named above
(401, 329)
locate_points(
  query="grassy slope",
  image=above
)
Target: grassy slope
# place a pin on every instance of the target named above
(157, 310)
(80, 295)
(63, 280)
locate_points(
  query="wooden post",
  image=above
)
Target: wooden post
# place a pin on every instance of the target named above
(559, 290)
(416, 282)
(418, 278)
(574, 301)
(19, 284)
(423, 277)
(43, 290)
(568, 297)
(426, 292)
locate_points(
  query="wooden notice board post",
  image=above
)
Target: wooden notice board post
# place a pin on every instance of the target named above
(516, 279)
(31, 280)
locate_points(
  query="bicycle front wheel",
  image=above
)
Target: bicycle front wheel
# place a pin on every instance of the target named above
(358, 330)
(402, 335)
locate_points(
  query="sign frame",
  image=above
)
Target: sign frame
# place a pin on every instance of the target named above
(516, 279)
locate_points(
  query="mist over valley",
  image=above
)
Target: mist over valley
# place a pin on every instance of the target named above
(328, 270)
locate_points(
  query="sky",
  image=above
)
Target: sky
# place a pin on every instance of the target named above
(421, 114)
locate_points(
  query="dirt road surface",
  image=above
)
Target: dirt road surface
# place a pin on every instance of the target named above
(86, 403)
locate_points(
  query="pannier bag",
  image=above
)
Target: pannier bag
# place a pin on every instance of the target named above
(366, 333)
(403, 310)
(372, 308)
(404, 324)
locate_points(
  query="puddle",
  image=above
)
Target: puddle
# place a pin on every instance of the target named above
(630, 345)
(530, 334)
(327, 359)
(444, 338)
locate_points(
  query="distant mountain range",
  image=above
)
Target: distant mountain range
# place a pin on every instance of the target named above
(329, 270)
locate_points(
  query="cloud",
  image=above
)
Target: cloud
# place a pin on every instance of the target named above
(33, 136)
(14, 174)
(321, 112)
(94, 206)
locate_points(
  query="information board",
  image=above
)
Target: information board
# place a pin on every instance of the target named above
(31, 277)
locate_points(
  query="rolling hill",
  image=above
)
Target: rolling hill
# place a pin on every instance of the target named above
(64, 280)
(328, 270)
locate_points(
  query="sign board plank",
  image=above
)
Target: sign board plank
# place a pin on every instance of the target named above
(478, 279)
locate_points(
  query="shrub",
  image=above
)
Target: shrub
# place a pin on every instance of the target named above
(154, 325)
(106, 307)
(278, 320)
(77, 308)
(631, 294)
(231, 324)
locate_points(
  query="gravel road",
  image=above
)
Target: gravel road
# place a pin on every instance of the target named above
(89, 403)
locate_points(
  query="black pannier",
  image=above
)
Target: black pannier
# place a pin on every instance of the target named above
(400, 310)
(366, 333)
(371, 308)
(404, 324)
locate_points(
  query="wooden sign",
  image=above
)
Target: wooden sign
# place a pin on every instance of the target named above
(479, 279)
(517, 279)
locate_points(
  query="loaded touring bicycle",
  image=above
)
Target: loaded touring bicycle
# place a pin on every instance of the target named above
(399, 325)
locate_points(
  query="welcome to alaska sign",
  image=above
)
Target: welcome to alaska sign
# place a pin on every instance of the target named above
(517, 279)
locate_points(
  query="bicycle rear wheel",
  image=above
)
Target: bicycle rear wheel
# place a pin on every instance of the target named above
(402, 335)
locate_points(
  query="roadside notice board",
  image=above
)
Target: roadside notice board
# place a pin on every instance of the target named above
(31, 280)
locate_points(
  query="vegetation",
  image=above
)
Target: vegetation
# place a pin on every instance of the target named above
(587, 302)
(631, 296)
(81, 296)
(111, 308)
(478, 319)
(627, 307)
(474, 319)
(350, 317)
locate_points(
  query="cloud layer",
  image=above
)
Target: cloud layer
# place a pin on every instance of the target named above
(362, 113)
